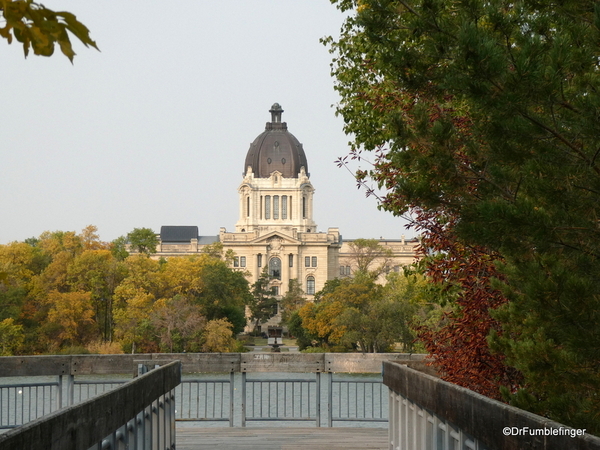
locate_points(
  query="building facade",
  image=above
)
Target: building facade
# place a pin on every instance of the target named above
(276, 230)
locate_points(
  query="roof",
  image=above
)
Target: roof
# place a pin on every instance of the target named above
(276, 149)
(177, 233)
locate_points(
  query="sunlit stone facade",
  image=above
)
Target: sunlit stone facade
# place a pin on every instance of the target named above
(276, 229)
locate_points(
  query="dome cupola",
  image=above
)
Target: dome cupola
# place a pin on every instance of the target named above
(275, 149)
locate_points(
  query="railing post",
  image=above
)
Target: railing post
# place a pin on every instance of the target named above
(231, 399)
(329, 399)
(243, 399)
(59, 396)
(318, 397)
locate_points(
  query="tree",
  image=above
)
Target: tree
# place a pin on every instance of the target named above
(70, 318)
(263, 303)
(292, 301)
(366, 252)
(11, 337)
(132, 320)
(97, 272)
(178, 322)
(118, 248)
(142, 240)
(218, 336)
(483, 119)
(40, 28)
(225, 293)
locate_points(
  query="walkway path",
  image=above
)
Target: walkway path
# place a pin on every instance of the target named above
(278, 438)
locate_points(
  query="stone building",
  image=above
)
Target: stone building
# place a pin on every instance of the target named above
(276, 229)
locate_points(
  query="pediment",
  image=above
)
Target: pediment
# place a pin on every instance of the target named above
(276, 238)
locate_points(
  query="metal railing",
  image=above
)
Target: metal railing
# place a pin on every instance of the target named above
(281, 399)
(233, 399)
(139, 415)
(427, 413)
(206, 400)
(357, 401)
(23, 402)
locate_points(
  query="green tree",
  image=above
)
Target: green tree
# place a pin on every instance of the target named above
(263, 303)
(118, 248)
(225, 294)
(292, 301)
(39, 28)
(483, 118)
(142, 240)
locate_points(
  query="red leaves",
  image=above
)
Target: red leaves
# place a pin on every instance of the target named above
(459, 348)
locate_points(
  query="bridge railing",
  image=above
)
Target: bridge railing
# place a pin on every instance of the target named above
(139, 415)
(427, 413)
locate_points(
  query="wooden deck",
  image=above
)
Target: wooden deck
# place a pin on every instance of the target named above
(280, 438)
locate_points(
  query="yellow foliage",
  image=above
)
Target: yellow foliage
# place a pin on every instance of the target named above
(72, 312)
(105, 348)
(218, 336)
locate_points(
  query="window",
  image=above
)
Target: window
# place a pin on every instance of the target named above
(307, 261)
(347, 270)
(284, 207)
(275, 291)
(276, 207)
(275, 268)
(247, 206)
(314, 261)
(304, 207)
(267, 206)
(342, 271)
(259, 260)
(236, 261)
(291, 260)
(242, 261)
(290, 206)
(310, 286)
(261, 206)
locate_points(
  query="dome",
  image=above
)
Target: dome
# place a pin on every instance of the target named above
(276, 149)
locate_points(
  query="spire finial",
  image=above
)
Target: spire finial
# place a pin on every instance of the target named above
(276, 113)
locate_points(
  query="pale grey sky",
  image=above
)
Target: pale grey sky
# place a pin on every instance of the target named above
(153, 129)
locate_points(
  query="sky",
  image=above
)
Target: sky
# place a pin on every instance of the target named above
(153, 129)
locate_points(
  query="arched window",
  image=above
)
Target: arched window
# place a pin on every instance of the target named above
(310, 286)
(275, 268)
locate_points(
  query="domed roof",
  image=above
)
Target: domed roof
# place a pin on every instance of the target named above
(276, 149)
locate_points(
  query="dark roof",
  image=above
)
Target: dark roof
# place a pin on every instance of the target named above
(178, 233)
(276, 149)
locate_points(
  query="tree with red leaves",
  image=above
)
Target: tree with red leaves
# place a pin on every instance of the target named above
(484, 119)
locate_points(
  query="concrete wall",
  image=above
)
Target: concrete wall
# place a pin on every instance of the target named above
(479, 416)
(12, 366)
(81, 426)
